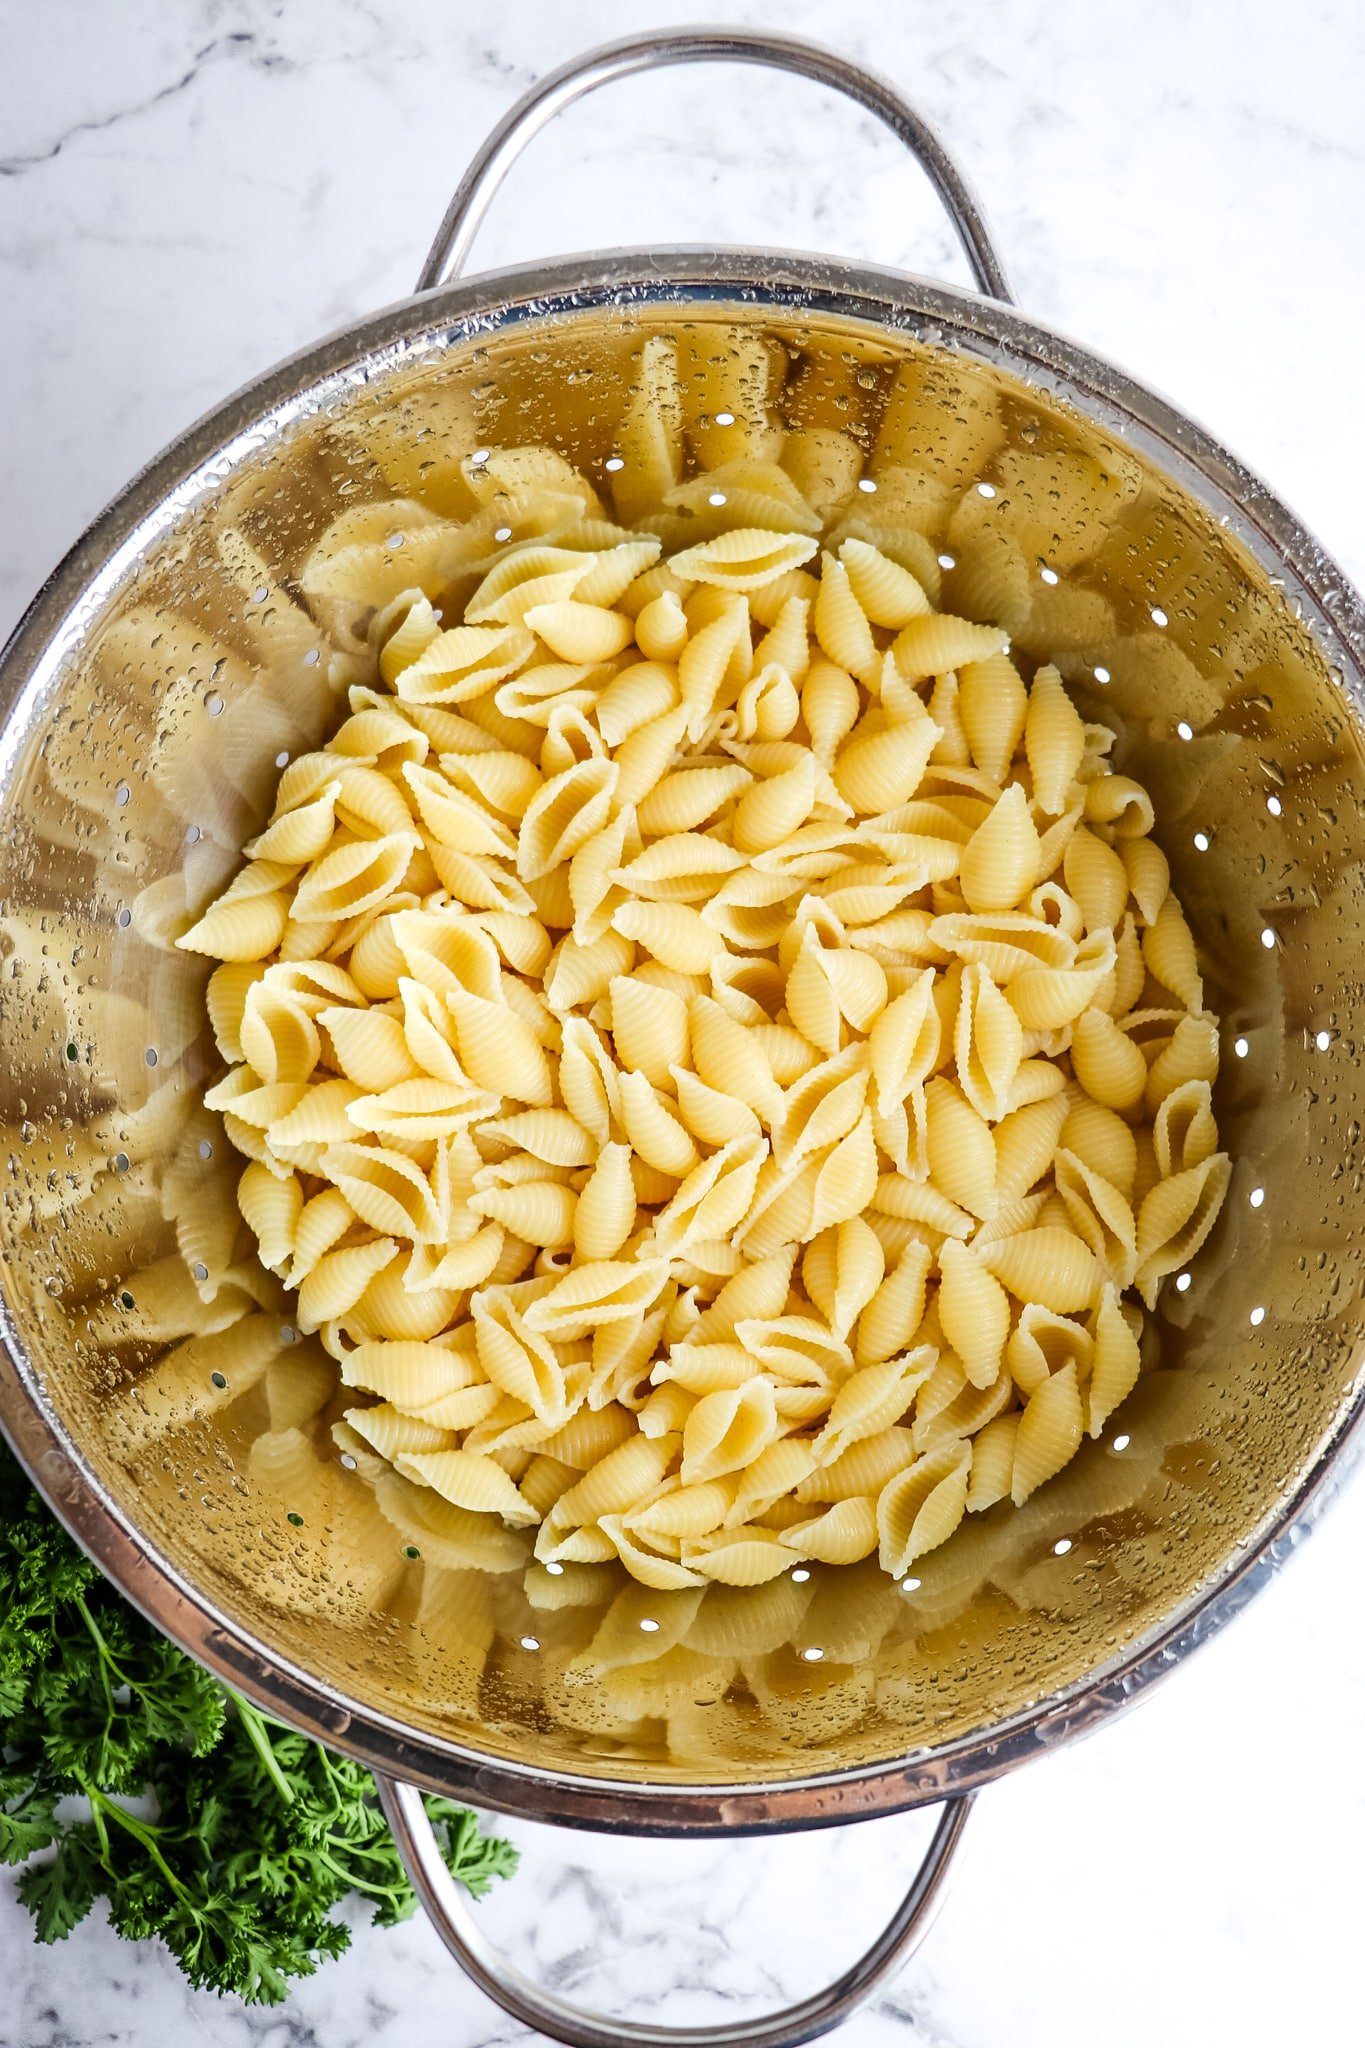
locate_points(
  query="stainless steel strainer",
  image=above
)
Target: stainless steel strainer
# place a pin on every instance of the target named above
(152, 1380)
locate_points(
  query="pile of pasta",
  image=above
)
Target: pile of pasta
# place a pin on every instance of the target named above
(718, 1054)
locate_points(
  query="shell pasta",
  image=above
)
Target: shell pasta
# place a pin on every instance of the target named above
(712, 1038)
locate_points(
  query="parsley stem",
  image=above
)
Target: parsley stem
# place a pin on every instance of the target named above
(257, 1735)
(101, 1803)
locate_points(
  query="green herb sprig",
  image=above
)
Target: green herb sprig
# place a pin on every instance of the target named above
(195, 1817)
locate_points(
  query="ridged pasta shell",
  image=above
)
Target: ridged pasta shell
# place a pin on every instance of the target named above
(1047, 1265)
(1117, 1362)
(1175, 1218)
(921, 1507)
(875, 772)
(1049, 1433)
(1002, 860)
(742, 1557)
(871, 1400)
(974, 1311)
(744, 558)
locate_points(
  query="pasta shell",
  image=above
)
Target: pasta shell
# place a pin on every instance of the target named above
(465, 663)
(1102, 1141)
(1049, 1434)
(1047, 1265)
(1117, 1362)
(992, 1452)
(920, 1508)
(579, 632)
(1100, 1214)
(974, 1311)
(499, 1049)
(654, 1132)
(564, 815)
(649, 1028)
(1098, 880)
(961, 1149)
(1175, 1218)
(726, 1431)
(1054, 740)
(469, 1481)
(1108, 1065)
(932, 644)
(992, 704)
(875, 772)
(714, 1198)
(239, 929)
(598, 1293)
(1026, 1142)
(538, 1211)
(674, 934)
(843, 1534)
(1149, 875)
(605, 1214)
(744, 558)
(749, 1557)
(871, 1400)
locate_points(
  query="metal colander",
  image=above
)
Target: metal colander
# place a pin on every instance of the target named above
(154, 1383)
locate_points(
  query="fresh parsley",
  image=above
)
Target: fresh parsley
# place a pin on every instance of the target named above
(128, 1774)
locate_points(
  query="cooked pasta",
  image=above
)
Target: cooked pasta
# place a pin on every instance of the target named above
(713, 1041)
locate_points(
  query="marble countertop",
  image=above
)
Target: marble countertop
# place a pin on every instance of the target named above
(187, 194)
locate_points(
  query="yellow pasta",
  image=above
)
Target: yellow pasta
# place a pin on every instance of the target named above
(712, 1039)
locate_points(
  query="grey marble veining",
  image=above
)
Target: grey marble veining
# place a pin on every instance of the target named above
(188, 193)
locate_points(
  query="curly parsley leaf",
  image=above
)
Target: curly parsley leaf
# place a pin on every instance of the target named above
(197, 1819)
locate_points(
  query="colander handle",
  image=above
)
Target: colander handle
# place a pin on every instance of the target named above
(660, 47)
(448, 1909)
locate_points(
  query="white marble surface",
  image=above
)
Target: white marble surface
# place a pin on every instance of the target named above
(188, 193)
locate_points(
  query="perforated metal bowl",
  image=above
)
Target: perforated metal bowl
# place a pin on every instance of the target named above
(148, 695)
